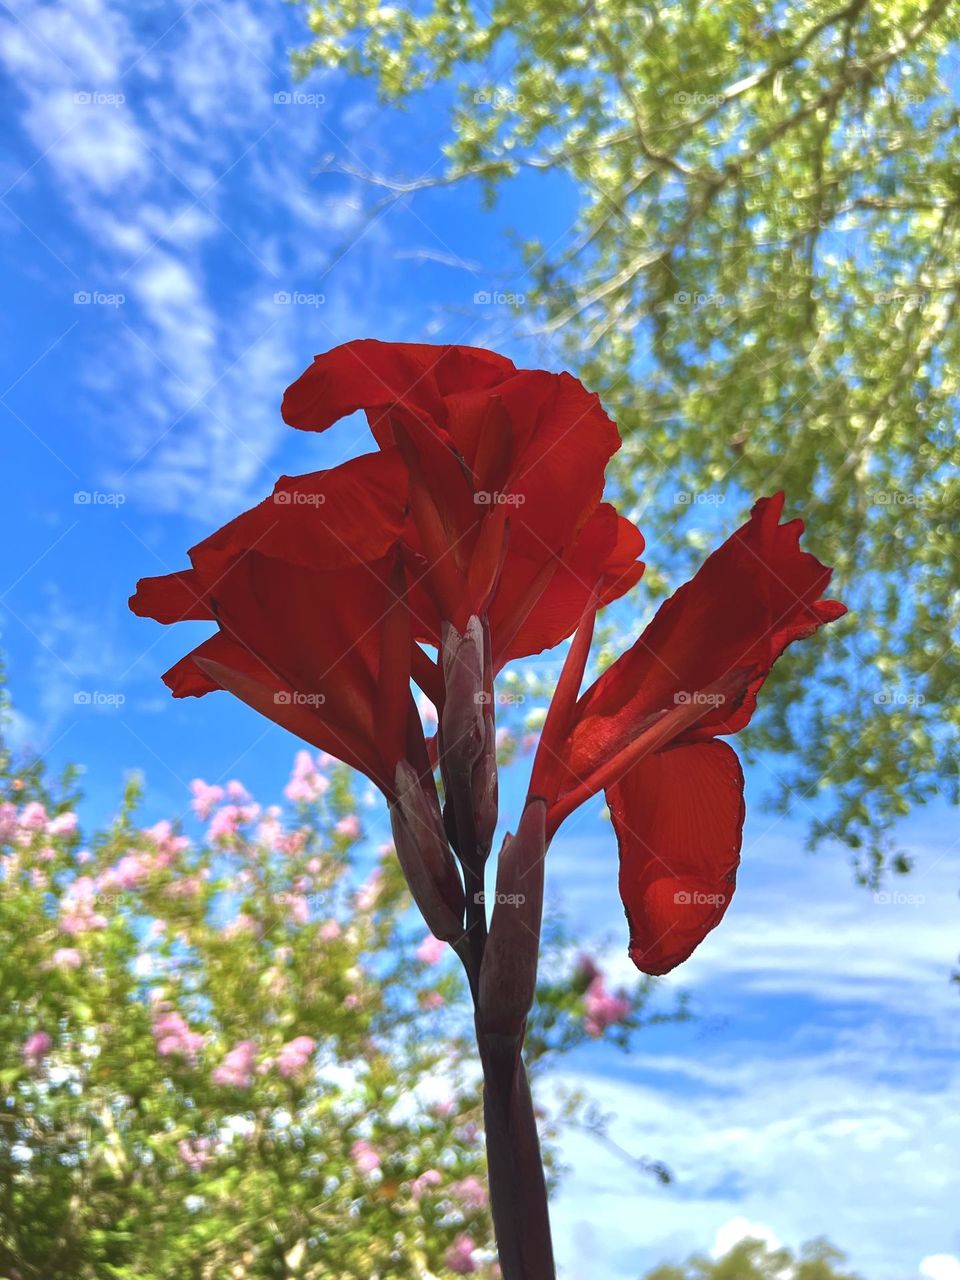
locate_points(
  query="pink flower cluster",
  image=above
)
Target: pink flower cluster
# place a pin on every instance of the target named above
(195, 1153)
(420, 1185)
(227, 821)
(431, 950)
(348, 828)
(307, 784)
(294, 1056)
(459, 1257)
(602, 1008)
(365, 1156)
(21, 825)
(35, 1048)
(471, 1192)
(236, 1068)
(78, 913)
(205, 798)
(174, 1037)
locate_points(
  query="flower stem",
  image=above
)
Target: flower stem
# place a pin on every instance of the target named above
(518, 1191)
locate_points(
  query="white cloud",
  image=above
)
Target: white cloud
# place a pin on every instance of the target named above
(940, 1266)
(731, 1233)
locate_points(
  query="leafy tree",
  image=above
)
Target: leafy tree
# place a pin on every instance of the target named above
(752, 1260)
(762, 285)
(232, 1053)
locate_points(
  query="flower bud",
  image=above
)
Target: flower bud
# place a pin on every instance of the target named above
(428, 865)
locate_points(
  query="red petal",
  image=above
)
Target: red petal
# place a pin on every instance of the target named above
(175, 597)
(186, 679)
(606, 552)
(749, 600)
(347, 515)
(678, 816)
(373, 375)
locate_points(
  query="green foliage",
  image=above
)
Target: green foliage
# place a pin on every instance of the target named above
(165, 1123)
(761, 284)
(752, 1260)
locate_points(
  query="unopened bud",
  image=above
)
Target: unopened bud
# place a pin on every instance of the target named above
(424, 855)
(465, 697)
(508, 975)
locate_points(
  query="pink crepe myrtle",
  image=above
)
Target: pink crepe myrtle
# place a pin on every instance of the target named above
(236, 1068)
(35, 1048)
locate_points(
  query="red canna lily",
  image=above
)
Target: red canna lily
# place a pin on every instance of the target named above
(506, 472)
(478, 528)
(646, 731)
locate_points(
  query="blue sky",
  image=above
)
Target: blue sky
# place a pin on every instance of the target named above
(151, 169)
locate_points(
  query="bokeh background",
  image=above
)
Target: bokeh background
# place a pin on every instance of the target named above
(184, 226)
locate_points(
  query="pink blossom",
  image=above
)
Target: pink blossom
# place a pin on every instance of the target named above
(35, 1048)
(307, 784)
(187, 887)
(348, 827)
(601, 1008)
(292, 843)
(64, 824)
(352, 1001)
(294, 1056)
(431, 1000)
(205, 798)
(236, 1069)
(66, 958)
(33, 816)
(431, 950)
(364, 1156)
(173, 1036)
(38, 879)
(228, 820)
(471, 1192)
(195, 1152)
(459, 1257)
(330, 931)
(125, 874)
(368, 893)
(429, 1178)
(166, 842)
(270, 828)
(78, 914)
(237, 792)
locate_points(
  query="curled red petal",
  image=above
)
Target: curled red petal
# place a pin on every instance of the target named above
(174, 597)
(748, 601)
(678, 815)
(372, 375)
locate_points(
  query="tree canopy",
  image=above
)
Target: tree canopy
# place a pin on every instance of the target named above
(761, 283)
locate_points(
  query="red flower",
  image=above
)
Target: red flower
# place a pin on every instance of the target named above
(506, 472)
(646, 731)
(313, 632)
